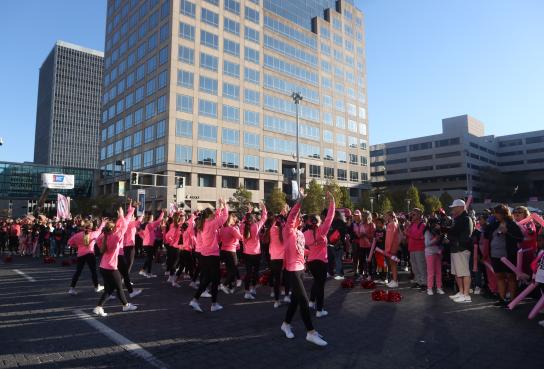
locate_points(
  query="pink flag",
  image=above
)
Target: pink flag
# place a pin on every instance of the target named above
(63, 207)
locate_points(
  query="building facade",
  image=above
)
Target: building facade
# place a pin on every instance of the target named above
(202, 90)
(454, 160)
(68, 108)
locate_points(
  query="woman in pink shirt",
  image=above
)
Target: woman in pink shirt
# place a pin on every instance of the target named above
(252, 250)
(84, 241)
(294, 242)
(277, 252)
(315, 238)
(148, 236)
(229, 237)
(110, 242)
(392, 244)
(186, 242)
(207, 229)
(129, 241)
(529, 243)
(173, 248)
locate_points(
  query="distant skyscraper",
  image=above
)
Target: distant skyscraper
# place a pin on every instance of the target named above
(202, 90)
(68, 109)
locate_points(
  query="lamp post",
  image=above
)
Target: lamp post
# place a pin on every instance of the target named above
(372, 204)
(297, 98)
(408, 205)
(120, 163)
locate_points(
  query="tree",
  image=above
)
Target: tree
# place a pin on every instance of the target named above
(276, 201)
(432, 204)
(446, 199)
(385, 205)
(345, 198)
(412, 194)
(398, 198)
(241, 201)
(313, 202)
(364, 202)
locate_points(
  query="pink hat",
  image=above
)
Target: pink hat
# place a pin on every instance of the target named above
(357, 212)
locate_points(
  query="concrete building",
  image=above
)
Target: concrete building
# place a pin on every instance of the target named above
(68, 108)
(452, 161)
(202, 90)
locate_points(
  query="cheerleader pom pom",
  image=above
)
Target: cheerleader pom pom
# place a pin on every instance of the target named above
(263, 280)
(393, 296)
(368, 285)
(8, 259)
(347, 283)
(379, 295)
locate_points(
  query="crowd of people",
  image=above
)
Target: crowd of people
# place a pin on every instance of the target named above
(206, 249)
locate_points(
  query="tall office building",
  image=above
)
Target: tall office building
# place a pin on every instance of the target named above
(68, 109)
(202, 90)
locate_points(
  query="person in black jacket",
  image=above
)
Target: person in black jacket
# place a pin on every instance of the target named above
(337, 238)
(504, 235)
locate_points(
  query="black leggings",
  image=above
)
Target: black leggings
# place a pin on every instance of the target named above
(210, 274)
(112, 282)
(298, 297)
(198, 267)
(172, 255)
(90, 260)
(129, 256)
(123, 270)
(149, 255)
(276, 266)
(186, 263)
(318, 269)
(252, 270)
(231, 262)
(364, 265)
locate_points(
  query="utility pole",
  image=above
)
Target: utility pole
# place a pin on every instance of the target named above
(297, 98)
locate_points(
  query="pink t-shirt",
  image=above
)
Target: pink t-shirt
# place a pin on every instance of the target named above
(294, 242)
(230, 238)
(416, 236)
(209, 245)
(150, 231)
(277, 248)
(317, 242)
(114, 243)
(252, 245)
(78, 241)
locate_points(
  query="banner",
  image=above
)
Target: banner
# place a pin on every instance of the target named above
(122, 191)
(63, 207)
(58, 181)
(141, 203)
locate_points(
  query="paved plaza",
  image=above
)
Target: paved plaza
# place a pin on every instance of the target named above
(41, 326)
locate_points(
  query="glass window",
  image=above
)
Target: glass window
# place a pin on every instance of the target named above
(186, 55)
(328, 172)
(231, 69)
(206, 180)
(149, 134)
(161, 128)
(341, 139)
(252, 35)
(151, 86)
(341, 156)
(252, 75)
(252, 96)
(207, 156)
(138, 116)
(231, 113)
(232, 6)
(207, 108)
(207, 132)
(230, 160)
(127, 143)
(342, 174)
(251, 184)
(184, 103)
(184, 128)
(209, 17)
(186, 31)
(252, 15)
(251, 55)
(252, 140)
(136, 161)
(231, 91)
(137, 139)
(315, 171)
(271, 165)
(230, 136)
(185, 78)
(209, 39)
(184, 154)
(187, 8)
(208, 85)
(231, 26)
(150, 110)
(159, 155)
(227, 181)
(163, 79)
(208, 61)
(251, 118)
(327, 136)
(251, 162)
(231, 47)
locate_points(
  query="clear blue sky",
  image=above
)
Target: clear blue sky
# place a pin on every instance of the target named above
(426, 60)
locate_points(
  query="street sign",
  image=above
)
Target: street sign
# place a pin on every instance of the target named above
(141, 202)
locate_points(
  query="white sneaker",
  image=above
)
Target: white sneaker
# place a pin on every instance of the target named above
(170, 279)
(129, 307)
(195, 305)
(232, 290)
(99, 310)
(287, 299)
(321, 314)
(311, 305)
(206, 294)
(458, 294)
(477, 291)
(430, 291)
(224, 289)
(238, 283)
(541, 323)
(216, 307)
(72, 291)
(369, 278)
(272, 294)
(135, 293)
(253, 291)
(286, 328)
(99, 288)
(277, 304)
(193, 285)
(142, 272)
(315, 339)
(176, 284)
(151, 275)
(393, 284)
(462, 299)
(249, 296)
(339, 278)
(440, 291)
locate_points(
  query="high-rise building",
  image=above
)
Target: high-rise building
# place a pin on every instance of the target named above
(202, 90)
(68, 109)
(458, 159)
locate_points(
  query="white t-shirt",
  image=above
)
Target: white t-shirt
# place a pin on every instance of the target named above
(539, 277)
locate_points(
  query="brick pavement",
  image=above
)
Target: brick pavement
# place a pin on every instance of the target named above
(39, 329)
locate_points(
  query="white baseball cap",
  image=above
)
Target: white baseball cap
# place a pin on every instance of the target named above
(457, 203)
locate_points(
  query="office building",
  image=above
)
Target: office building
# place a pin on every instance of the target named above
(68, 109)
(455, 160)
(202, 90)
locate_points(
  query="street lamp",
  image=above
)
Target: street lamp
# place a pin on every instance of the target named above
(297, 98)
(371, 204)
(408, 201)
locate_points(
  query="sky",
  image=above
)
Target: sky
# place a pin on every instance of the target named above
(426, 60)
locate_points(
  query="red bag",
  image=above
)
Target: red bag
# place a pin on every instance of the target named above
(334, 237)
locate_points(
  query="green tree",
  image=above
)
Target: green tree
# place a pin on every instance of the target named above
(364, 201)
(446, 199)
(345, 198)
(313, 202)
(432, 204)
(412, 194)
(240, 202)
(276, 200)
(385, 205)
(335, 190)
(398, 198)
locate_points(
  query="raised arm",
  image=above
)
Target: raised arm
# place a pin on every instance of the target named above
(264, 215)
(293, 215)
(327, 222)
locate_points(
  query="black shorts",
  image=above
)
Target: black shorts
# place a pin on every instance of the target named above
(500, 267)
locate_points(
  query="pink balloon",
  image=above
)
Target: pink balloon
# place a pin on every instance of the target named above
(522, 295)
(539, 306)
